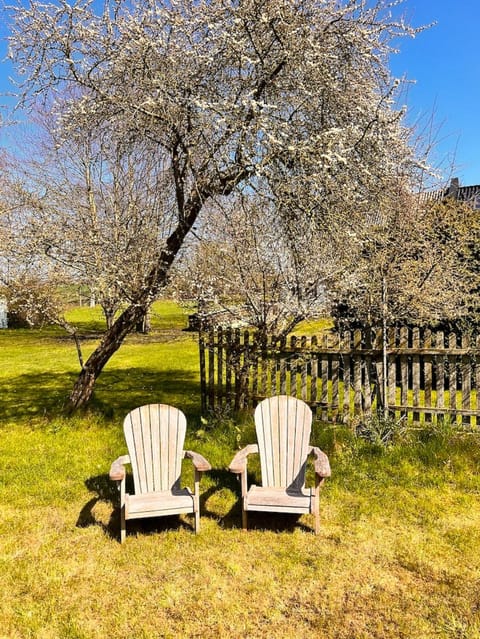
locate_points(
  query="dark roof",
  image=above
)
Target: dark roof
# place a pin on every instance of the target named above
(470, 194)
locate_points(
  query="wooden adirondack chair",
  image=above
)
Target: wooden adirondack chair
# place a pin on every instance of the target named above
(283, 427)
(155, 435)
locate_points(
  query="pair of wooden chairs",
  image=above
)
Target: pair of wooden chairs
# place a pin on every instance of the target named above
(155, 436)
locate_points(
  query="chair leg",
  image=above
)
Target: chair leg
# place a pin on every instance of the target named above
(196, 501)
(317, 522)
(316, 505)
(243, 483)
(244, 515)
(123, 525)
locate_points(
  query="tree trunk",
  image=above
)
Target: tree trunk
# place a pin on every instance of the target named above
(112, 340)
(143, 324)
(128, 320)
(109, 317)
(384, 347)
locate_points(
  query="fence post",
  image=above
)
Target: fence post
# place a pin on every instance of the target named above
(391, 369)
(203, 373)
(345, 345)
(357, 373)
(440, 370)
(466, 373)
(335, 403)
(220, 360)
(211, 369)
(441, 374)
(228, 341)
(427, 373)
(452, 374)
(293, 366)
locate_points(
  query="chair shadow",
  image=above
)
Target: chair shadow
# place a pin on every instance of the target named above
(105, 490)
(222, 479)
(275, 522)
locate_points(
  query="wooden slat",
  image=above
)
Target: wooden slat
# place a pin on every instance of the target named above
(324, 376)
(155, 434)
(203, 372)
(278, 500)
(404, 368)
(220, 366)
(159, 503)
(391, 369)
(236, 366)
(314, 373)
(228, 367)
(211, 370)
(378, 399)
(293, 367)
(440, 368)
(346, 377)
(264, 367)
(416, 373)
(477, 377)
(324, 372)
(452, 371)
(271, 371)
(335, 398)
(244, 369)
(304, 370)
(283, 375)
(283, 432)
(466, 373)
(392, 381)
(427, 373)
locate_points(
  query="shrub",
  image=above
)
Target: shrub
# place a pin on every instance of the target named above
(380, 429)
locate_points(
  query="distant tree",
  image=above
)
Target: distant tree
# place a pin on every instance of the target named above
(290, 99)
(414, 263)
(31, 302)
(255, 269)
(92, 208)
(411, 264)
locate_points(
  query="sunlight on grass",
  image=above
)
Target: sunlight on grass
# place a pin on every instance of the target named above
(39, 366)
(314, 327)
(397, 555)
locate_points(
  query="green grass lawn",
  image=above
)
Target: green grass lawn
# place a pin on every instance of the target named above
(398, 554)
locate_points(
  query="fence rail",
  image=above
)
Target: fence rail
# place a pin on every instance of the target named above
(428, 375)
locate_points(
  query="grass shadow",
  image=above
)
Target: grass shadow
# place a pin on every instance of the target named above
(105, 490)
(126, 389)
(276, 522)
(222, 479)
(117, 392)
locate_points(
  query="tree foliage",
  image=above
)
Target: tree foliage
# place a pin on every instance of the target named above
(290, 100)
(251, 266)
(414, 263)
(92, 208)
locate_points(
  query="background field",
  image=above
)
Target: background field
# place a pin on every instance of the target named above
(397, 555)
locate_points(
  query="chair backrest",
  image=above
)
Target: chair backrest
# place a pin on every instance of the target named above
(155, 435)
(283, 426)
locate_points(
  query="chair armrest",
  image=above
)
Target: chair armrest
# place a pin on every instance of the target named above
(239, 462)
(117, 469)
(321, 463)
(199, 462)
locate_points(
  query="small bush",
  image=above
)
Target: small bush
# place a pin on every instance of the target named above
(382, 430)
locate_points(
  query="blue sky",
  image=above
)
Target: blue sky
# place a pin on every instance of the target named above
(444, 63)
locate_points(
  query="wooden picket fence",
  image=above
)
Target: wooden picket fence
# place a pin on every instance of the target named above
(430, 376)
